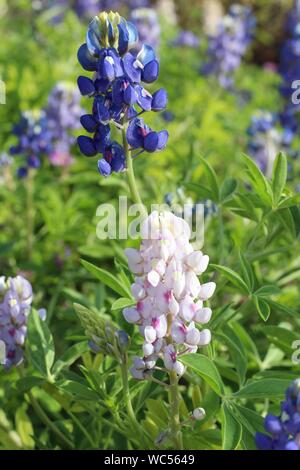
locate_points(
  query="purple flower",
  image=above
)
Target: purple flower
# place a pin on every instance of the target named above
(15, 303)
(148, 27)
(284, 430)
(139, 135)
(117, 89)
(227, 48)
(187, 39)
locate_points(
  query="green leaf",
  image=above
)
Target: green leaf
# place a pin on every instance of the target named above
(281, 337)
(40, 345)
(27, 383)
(247, 207)
(212, 180)
(283, 309)
(231, 429)
(227, 189)
(262, 307)
(106, 278)
(259, 182)
(236, 350)
(24, 428)
(250, 419)
(265, 388)
(206, 369)
(266, 291)
(279, 177)
(78, 390)
(121, 303)
(289, 201)
(247, 271)
(287, 220)
(70, 356)
(232, 276)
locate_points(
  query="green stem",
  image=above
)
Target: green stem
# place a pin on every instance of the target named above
(44, 418)
(30, 211)
(127, 399)
(47, 422)
(135, 195)
(175, 425)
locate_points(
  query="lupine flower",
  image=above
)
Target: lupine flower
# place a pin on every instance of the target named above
(267, 140)
(15, 303)
(227, 48)
(284, 430)
(63, 112)
(169, 296)
(186, 39)
(289, 69)
(34, 140)
(118, 92)
(147, 25)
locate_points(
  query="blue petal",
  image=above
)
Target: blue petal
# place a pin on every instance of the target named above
(133, 72)
(150, 72)
(151, 142)
(123, 38)
(146, 54)
(86, 86)
(163, 137)
(104, 167)
(89, 122)
(93, 36)
(133, 35)
(159, 101)
(133, 134)
(87, 146)
(102, 138)
(86, 60)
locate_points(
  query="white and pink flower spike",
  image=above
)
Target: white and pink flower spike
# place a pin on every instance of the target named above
(169, 296)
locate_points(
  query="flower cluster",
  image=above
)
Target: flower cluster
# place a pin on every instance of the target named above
(48, 132)
(266, 140)
(117, 90)
(147, 25)
(15, 304)
(227, 48)
(63, 112)
(289, 69)
(34, 140)
(284, 431)
(169, 295)
(186, 38)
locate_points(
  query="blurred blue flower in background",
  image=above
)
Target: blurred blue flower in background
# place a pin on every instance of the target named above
(284, 430)
(229, 45)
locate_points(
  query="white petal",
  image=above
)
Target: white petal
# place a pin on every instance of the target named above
(193, 337)
(150, 334)
(207, 290)
(154, 278)
(203, 315)
(148, 349)
(205, 337)
(131, 315)
(179, 368)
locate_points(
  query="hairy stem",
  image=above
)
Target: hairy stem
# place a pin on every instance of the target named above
(175, 425)
(135, 195)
